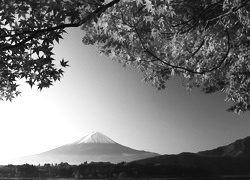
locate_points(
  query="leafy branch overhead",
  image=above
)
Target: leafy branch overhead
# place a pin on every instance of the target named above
(206, 42)
(28, 31)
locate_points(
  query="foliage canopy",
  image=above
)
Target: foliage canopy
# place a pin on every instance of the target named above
(206, 42)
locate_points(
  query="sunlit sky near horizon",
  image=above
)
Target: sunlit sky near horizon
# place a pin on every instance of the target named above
(98, 94)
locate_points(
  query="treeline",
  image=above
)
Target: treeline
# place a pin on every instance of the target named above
(99, 170)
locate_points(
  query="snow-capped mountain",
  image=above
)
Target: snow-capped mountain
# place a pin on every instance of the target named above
(94, 146)
(95, 137)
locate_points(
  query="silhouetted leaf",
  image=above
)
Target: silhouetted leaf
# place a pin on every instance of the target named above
(64, 63)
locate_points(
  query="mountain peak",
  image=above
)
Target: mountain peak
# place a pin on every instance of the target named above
(95, 137)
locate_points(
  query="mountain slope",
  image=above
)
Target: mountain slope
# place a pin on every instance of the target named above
(92, 147)
(233, 159)
(239, 148)
(217, 165)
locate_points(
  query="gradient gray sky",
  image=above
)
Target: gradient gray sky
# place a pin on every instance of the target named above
(98, 94)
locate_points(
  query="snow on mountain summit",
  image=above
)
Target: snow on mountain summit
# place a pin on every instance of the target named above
(95, 137)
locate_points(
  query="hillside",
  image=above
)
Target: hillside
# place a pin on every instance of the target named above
(231, 159)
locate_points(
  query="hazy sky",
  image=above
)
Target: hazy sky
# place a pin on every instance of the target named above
(98, 94)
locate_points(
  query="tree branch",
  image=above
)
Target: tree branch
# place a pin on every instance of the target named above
(223, 59)
(198, 49)
(229, 12)
(103, 8)
(97, 12)
(201, 14)
(184, 68)
(34, 34)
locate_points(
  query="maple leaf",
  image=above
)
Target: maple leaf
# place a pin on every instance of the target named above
(60, 71)
(149, 19)
(30, 82)
(138, 2)
(64, 63)
(10, 97)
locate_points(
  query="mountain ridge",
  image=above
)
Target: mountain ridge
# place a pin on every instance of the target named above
(239, 148)
(231, 159)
